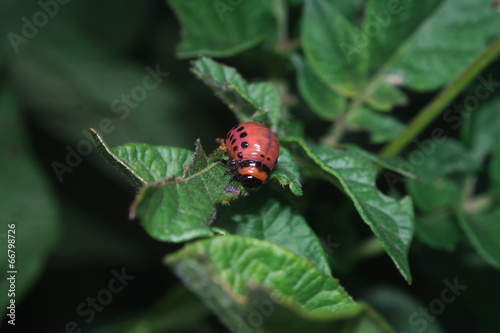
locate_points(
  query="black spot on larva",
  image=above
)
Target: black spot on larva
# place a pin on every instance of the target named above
(267, 158)
(240, 129)
(235, 148)
(232, 137)
(234, 127)
(244, 144)
(240, 154)
(262, 155)
(242, 135)
(227, 136)
(232, 142)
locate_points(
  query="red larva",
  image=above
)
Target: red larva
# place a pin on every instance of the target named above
(254, 151)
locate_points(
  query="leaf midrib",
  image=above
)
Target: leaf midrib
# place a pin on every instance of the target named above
(371, 85)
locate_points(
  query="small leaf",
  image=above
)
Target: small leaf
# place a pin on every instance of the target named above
(494, 173)
(326, 38)
(278, 223)
(286, 172)
(397, 306)
(438, 231)
(414, 39)
(325, 102)
(382, 127)
(391, 221)
(485, 129)
(181, 209)
(141, 163)
(237, 276)
(388, 162)
(242, 98)
(403, 43)
(435, 189)
(222, 28)
(483, 231)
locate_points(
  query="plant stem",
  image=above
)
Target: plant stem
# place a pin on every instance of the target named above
(433, 109)
(369, 248)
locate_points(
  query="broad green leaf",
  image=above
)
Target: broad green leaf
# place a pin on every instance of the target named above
(286, 172)
(221, 28)
(494, 173)
(404, 43)
(413, 40)
(350, 9)
(485, 129)
(391, 221)
(242, 98)
(439, 160)
(382, 127)
(439, 231)
(325, 102)
(326, 36)
(28, 207)
(387, 162)
(483, 231)
(181, 209)
(141, 163)
(278, 223)
(238, 276)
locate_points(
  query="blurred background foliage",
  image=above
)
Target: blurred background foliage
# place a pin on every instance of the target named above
(73, 229)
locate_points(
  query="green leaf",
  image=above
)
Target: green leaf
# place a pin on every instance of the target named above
(483, 231)
(391, 221)
(438, 231)
(325, 102)
(415, 39)
(436, 189)
(30, 214)
(400, 309)
(485, 129)
(221, 28)
(286, 172)
(494, 173)
(181, 209)
(382, 127)
(141, 163)
(238, 276)
(325, 34)
(242, 98)
(403, 43)
(278, 223)
(388, 162)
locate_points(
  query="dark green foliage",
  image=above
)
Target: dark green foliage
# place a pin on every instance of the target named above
(410, 230)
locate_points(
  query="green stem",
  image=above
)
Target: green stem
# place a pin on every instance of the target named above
(432, 110)
(369, 248)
